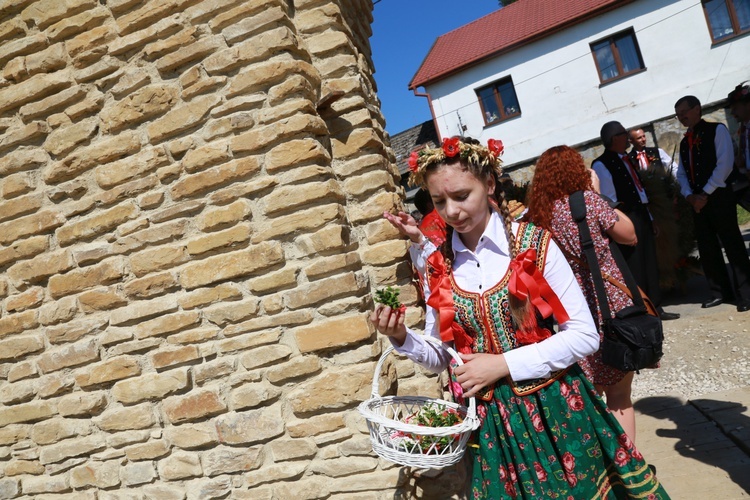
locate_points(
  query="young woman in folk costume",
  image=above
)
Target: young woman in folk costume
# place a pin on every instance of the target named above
(492, 290)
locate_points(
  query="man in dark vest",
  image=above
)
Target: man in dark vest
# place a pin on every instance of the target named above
(706, 161)
(619, 181)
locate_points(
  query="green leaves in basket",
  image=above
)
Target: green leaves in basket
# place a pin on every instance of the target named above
(431, 415)
(388, 296)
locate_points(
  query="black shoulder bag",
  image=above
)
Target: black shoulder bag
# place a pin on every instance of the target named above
(633, 338)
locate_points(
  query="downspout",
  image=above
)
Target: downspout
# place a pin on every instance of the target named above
(432, 111)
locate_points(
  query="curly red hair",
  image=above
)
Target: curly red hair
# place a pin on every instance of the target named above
(559, 172)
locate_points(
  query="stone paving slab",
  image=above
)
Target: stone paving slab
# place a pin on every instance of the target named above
(700, 448)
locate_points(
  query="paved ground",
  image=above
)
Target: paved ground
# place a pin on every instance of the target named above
(699, 441)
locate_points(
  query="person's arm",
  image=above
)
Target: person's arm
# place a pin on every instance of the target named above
(724, 160)
(666, 160)
(623, 230)
(576, 338)
(682, 179)
(606, 186)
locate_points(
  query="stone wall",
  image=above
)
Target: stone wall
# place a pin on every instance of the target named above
(190, 232)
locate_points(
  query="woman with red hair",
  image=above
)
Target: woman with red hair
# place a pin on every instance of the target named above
(559, 173)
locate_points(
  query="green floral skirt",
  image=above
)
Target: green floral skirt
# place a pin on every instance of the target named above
(558, 442)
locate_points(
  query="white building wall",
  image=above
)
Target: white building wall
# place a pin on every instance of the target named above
(561, 98)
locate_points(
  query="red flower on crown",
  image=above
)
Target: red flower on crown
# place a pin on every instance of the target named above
(495, 146)
(450, 146)
(413, 164)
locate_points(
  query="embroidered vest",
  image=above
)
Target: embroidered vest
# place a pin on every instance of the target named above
(704, 155)
(486, 318)
(652, 155)
(627, 193)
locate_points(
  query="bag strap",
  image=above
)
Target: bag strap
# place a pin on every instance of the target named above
(578, 211)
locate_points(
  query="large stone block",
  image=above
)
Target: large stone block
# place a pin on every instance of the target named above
(150, 386)
(68, 356)
(65, 139)
(295, 153)
(231, 265)
(97, 224)
(75, 330)
(225, 460)
(180, 465)
(298, 367)
(305, 220)
(22, 46)
(221, 217)
(145, 161)
(333, 333)
(23, 205)
(167, 324)
(15, 348)
(81, 279)
(157, 259)
(117, 368)
(90, 20)
(26, 412)
(46, 12)
(82, 404)
(260, 138)
(56, 429)
(16, 323)
(189, 52)
(256, 49)
(333, 389)
(28, 134)
(23, 159)
(206, 180)
(150, 286)
(192, 436)
(195, 405)
(105, 150)
(141, 105)
(289, 198)
(267, 355)
(181, 118)
(101, 299)
(325, 289)
(126, 418)
(206, 296)
(39, 223)
(252, 395)
(101, 475)
(142, 310)
(221, 314)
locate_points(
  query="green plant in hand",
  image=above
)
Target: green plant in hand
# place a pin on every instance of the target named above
(388, 296)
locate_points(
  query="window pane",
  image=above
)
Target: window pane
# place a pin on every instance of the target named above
(628, 54)
(718, 17)
(606, 60)
(742, 9)
(491, 111)
(508, 98)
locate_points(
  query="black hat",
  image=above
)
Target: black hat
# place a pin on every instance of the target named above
(741, 93)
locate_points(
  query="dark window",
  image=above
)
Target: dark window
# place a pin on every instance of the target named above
(727, 18)
(498, 101)
(617, 56)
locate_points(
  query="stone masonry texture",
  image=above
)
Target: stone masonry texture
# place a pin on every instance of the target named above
(190, 233)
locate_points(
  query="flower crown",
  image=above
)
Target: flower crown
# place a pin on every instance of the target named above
(740, 93)
(475, 154)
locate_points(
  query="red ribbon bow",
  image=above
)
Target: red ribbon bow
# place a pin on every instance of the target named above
(441, 299)
(527, 281)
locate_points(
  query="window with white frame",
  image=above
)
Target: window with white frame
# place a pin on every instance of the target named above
(727, 18)
(617, 56)
(498, 101)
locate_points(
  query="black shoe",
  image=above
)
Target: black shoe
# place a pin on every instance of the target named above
(666, 316)
(712, 303)
(653, 468)
(743, 306)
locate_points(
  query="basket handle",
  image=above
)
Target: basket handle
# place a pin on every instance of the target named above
(471, 414)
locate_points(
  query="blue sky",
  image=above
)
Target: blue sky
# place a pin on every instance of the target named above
(403, 32)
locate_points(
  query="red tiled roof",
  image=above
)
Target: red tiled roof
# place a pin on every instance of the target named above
(520, 22)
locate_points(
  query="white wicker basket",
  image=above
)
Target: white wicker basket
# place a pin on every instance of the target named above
(385, 420)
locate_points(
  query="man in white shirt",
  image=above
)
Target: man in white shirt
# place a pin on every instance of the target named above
(706, 161)
(646, 157)
(738, 102)
(619, 181)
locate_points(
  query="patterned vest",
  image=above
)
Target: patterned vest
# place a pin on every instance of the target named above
(704, 155)
(486, 318)
(627, 194)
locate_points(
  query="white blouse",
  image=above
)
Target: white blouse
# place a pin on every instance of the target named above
(484, 268)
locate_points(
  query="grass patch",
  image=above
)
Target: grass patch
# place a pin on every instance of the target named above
(743, 216)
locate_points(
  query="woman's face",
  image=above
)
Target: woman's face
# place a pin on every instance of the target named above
(461, 199)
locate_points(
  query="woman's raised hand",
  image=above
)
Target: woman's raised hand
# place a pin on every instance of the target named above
(389, 322)
(405, 224)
